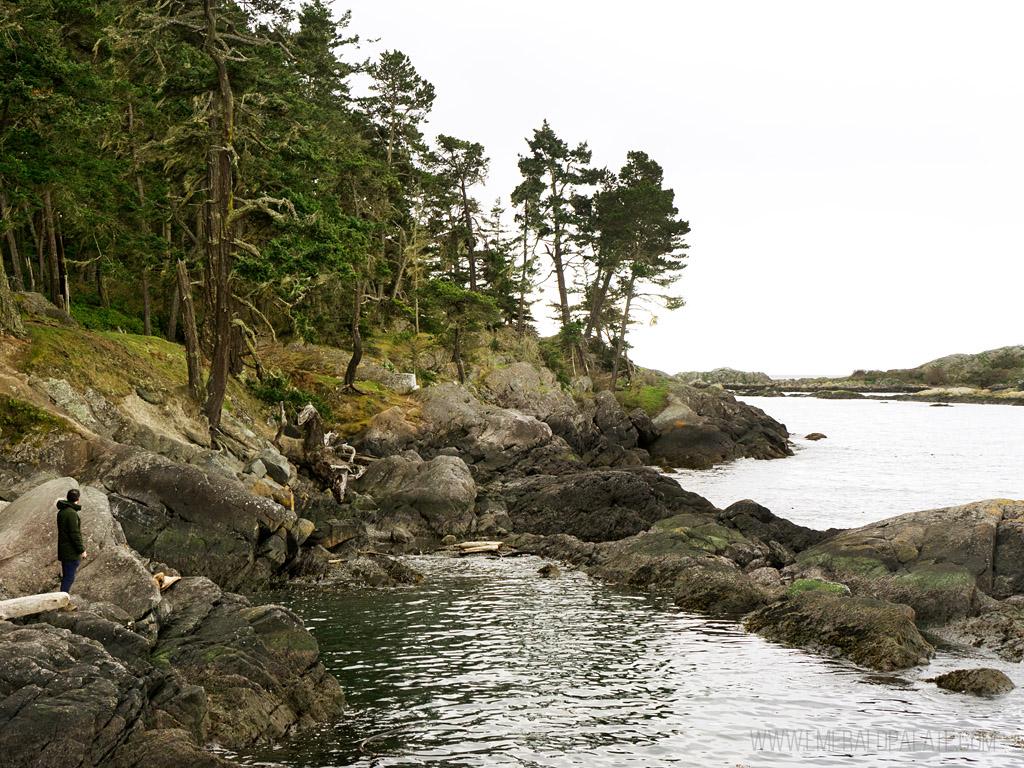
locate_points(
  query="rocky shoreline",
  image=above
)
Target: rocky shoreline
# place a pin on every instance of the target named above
(137, 676)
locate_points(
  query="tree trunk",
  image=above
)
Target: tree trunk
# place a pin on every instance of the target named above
(12, 243)
(458, 354)
(597, 302)
(220, 228)
(526, 265)
(188, 325)
(10, 317)
(147, 314)
(172, 319)
(470, 241)
(62, 272)
(39, 235)
(51, 249)
(622, 333)
(357, 339)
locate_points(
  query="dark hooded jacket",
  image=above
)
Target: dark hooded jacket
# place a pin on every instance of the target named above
(69, 531)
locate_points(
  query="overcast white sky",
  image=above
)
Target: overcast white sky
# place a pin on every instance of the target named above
(853, 172)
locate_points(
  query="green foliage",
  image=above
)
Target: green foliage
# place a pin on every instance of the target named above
(276, 388)
(100, 319)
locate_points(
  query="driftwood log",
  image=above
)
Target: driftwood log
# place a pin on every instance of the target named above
(30, 604)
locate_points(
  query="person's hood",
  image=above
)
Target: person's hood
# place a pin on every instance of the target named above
(64, 503)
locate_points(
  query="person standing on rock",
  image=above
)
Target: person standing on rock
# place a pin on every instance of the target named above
(70, 547)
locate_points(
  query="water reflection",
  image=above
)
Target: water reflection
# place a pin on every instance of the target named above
(486, 664)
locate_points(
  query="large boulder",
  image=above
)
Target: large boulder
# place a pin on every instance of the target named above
(703, 427)
(1001, 631)
(596, 505)
(945, 563)
(441, 492)
(869, 632)
(198, 522)
(758, 522)
(110, 573)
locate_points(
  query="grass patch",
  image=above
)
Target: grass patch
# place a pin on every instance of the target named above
(113, 364)
(651, 399)
(100, 319)
(276, 388)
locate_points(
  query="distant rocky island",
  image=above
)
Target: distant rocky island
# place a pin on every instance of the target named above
(993, 376)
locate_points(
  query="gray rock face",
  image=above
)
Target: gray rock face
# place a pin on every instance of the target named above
(1001, 631)
(869, 632)
(440, 491)
(977, 682)
(599, 432)
(110, 573)
(38, 305)
(944, 563)
(196, 522)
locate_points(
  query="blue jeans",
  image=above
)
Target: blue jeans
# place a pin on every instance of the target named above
(67, 569)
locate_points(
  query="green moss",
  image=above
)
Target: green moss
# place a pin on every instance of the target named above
(651, 399)
(813, 585)
(19, 420)
(161, 659)
(936, 577)
(843, 563)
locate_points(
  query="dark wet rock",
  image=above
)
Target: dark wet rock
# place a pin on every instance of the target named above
(869, 632)
(646, 432)
(758, 522)
(686, 556)
(28, 551)
(945, 563)
(977, 682)
(1001, 631)
(703, 427)
(371, 570)
(64, 700)
(596, 505)
(441, 492)
(200, 523)
(334, 532)
(815, 436)
(838, 394)
(549, 571)
(257, 664)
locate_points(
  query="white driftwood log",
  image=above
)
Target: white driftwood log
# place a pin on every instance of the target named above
(26, 606)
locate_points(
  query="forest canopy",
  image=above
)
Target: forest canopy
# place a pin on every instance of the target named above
(225, 173)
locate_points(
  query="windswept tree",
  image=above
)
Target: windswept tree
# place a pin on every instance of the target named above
(462, 165)
(640, 230)
(551, 173)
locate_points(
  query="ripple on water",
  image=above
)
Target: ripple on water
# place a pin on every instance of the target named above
(486, 664)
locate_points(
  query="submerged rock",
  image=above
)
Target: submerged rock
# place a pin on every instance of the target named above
(977, 682)
(864, 630)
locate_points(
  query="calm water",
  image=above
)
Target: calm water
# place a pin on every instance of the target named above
(880, 459)
(486, 664)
